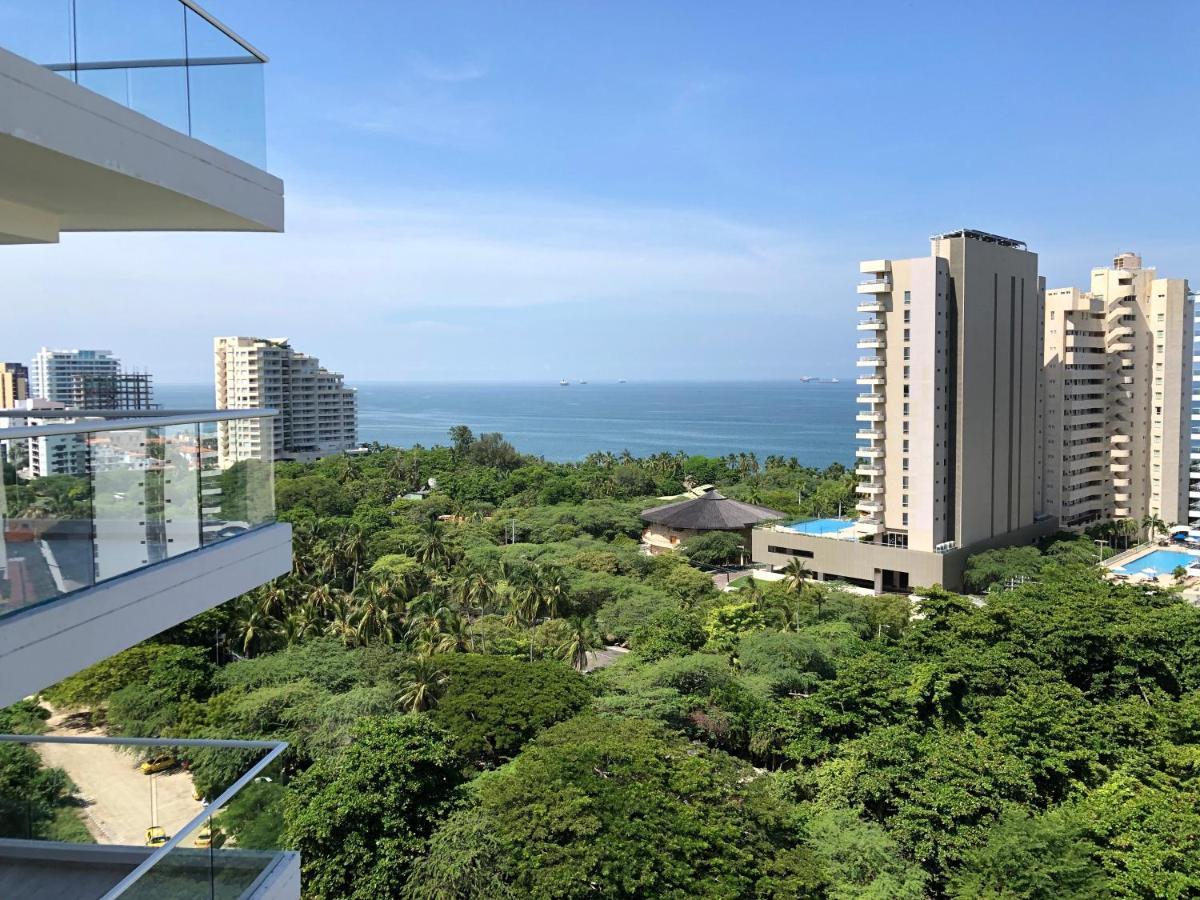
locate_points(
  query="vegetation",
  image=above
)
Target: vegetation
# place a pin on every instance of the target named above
(425, 661)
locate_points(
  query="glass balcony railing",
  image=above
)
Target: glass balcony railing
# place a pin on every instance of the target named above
(167, 59)
(104, 817)
(85, 500)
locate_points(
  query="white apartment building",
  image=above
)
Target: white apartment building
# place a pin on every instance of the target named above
(318, 414)
(88, 379)
(1118, 384)
(950, 350)
(149, 533)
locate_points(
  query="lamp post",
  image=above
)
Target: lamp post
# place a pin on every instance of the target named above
(1101, 545)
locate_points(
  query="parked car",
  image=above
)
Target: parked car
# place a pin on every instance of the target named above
(159, 764)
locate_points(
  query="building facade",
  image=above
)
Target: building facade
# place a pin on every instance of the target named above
(318, 414)
(89, 379)
(14, 385)
(1118, 382)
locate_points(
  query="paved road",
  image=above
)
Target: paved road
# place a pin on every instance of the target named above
(118, 795)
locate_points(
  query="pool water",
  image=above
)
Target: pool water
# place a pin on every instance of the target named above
(1162, 562)
(821, 526)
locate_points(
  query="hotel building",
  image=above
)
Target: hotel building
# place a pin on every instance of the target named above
(1118, 385)
(318, 414)
(149, 534)
(950, 346)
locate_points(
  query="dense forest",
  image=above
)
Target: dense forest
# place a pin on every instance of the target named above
(430, 661)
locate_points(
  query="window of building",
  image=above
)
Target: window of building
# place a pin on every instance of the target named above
(907, 316)
(904, 519)
(907, 297)
(904, 499)
(904, 448)
(907, 352)
(907, 335)
(904, 482)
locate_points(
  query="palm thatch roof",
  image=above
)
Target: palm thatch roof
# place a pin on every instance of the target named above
(712, 511)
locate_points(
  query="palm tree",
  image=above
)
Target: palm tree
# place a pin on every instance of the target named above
(432, 550)
(797, 577)
(255, 629)
(582, 641)
(424, 685)
(554, 590)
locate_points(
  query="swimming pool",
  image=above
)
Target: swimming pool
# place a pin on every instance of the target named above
(1161, 562)
(823, 527)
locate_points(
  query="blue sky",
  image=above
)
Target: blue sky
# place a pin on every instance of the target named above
(517, 191)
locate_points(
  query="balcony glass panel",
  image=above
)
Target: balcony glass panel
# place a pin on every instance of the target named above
(146, 832)
(86, 506)
(158, 57)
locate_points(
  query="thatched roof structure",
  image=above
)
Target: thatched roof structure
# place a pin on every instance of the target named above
(712, 511)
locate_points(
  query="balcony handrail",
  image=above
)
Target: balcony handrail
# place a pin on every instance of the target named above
(99, 420)
(276, 748)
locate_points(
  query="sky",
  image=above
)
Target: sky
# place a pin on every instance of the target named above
(482, 191)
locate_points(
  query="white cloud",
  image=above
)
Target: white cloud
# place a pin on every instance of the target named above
(359, 273)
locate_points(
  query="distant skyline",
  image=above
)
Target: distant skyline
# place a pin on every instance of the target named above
(659, 191)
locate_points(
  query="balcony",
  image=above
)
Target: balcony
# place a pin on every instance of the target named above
(1120, 468)
(875, 286)
(869, 398)
(877, 305)
(868, 471)
(871, 325)
(871, 380)
(1119, 438)
(875, 266)
(870, 416)
(143, 531)
(195, 854)
(143, 116)
(869, 452)
(875, 343)
(1118, 452)
(867, 487)
(866, 526)
(867, 361)
(869, 506)
(869, 434)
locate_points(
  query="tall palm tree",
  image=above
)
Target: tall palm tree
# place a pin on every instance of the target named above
(582, 640)
(424, 685)
(797, 577)
(432, 550)
(255, 630)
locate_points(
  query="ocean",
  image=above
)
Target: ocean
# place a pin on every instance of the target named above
(812, 421)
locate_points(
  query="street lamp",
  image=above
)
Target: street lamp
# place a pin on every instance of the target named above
(1101, 545)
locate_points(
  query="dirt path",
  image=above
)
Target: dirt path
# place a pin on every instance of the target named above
(117, 794)
(598, 659)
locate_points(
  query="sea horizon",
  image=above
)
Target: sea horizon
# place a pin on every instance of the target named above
(812, 421)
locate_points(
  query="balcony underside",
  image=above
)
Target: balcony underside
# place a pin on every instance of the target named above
(43, 644)
(76, 161)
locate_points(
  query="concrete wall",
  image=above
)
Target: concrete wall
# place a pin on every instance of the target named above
(46, 643)
(867, 562)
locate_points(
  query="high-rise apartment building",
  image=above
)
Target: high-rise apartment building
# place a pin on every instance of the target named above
(318, 414)
(1194, 465)
(1118, 385)
(89, 379)
(146, 531)
(14, 384)
(950, 350)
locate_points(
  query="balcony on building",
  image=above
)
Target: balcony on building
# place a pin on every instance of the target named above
(869, 506)
(869, 434)
(145, 532)
(871, 380)
(145, 849)
(870, 361)
(868, 526)
(870, 398)
(138, 116)
(870, 416)
(881, 284)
